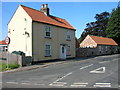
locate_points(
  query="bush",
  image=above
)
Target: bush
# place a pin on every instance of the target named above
(3, 66)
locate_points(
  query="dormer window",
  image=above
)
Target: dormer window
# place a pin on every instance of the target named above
(68, 35)
(47, 32)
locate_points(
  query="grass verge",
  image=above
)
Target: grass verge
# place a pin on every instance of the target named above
(3, 66)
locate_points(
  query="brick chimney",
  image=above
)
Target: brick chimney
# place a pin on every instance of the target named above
(45, 9)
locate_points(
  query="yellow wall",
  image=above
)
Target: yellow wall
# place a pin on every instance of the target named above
(58, 36)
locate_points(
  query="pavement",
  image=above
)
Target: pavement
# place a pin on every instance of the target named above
(95, 72)
(31, 67)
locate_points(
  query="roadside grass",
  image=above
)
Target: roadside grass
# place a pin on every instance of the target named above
(3, 66)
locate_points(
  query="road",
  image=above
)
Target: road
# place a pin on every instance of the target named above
(96, 72)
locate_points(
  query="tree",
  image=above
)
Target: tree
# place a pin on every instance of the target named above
(113, 27)
(98, 27)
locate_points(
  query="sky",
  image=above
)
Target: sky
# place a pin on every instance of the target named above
(78, 14)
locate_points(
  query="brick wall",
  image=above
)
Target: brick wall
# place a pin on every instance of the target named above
(86, 52)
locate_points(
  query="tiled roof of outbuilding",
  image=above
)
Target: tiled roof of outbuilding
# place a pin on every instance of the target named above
(103, 40)
(41, 17)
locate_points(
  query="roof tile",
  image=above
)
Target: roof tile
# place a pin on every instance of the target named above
(103, 40)
(41, 17)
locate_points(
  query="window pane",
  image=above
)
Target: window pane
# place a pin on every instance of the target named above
(48, 34)
(68, 34)
(68, 50)
(62, 49)
(47, 47)
(47, 52)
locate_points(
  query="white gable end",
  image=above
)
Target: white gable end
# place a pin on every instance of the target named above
(19, 24)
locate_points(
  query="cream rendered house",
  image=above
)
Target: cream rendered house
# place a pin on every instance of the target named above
(41, 35)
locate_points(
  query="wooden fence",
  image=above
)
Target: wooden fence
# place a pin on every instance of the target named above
(11, 58)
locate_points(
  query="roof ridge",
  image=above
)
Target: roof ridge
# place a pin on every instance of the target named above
(31, 8)
(57, 17)
(99, 36)
(50, 19)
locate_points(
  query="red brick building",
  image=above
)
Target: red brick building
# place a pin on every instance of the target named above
(94, 45)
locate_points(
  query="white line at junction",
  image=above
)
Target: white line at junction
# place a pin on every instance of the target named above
(63, 77)
(57, 83)
(26, 83)
(102, 85)
(12, 82)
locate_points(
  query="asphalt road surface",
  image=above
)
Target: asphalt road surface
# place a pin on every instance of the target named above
(96, 72)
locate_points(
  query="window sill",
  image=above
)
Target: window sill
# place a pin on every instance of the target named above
(68, 39)
(68, 55)
(48, 56)
(48, 37)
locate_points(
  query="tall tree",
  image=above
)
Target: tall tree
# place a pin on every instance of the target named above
(113, 27)
(98, 27)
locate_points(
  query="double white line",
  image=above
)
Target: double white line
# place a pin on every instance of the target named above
(102, 85)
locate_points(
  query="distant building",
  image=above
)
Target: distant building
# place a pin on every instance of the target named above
(3, 46)
(41, 35)
(94, 45)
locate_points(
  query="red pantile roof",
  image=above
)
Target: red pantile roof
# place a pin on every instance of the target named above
(41, 17)
(3, 42)
(103, 41)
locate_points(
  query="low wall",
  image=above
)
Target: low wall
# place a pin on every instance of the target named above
(85, 52)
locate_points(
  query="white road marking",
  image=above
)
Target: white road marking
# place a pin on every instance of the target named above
(63, 77)
(102, 85)
(38, 84)
(12, 82)
(26, 83)
(79, 85)
(86, 66)
(97, 70)
(104, 62)
(61, 82)
(58, 84)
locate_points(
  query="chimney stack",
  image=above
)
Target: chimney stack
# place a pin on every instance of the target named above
(45, 9)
